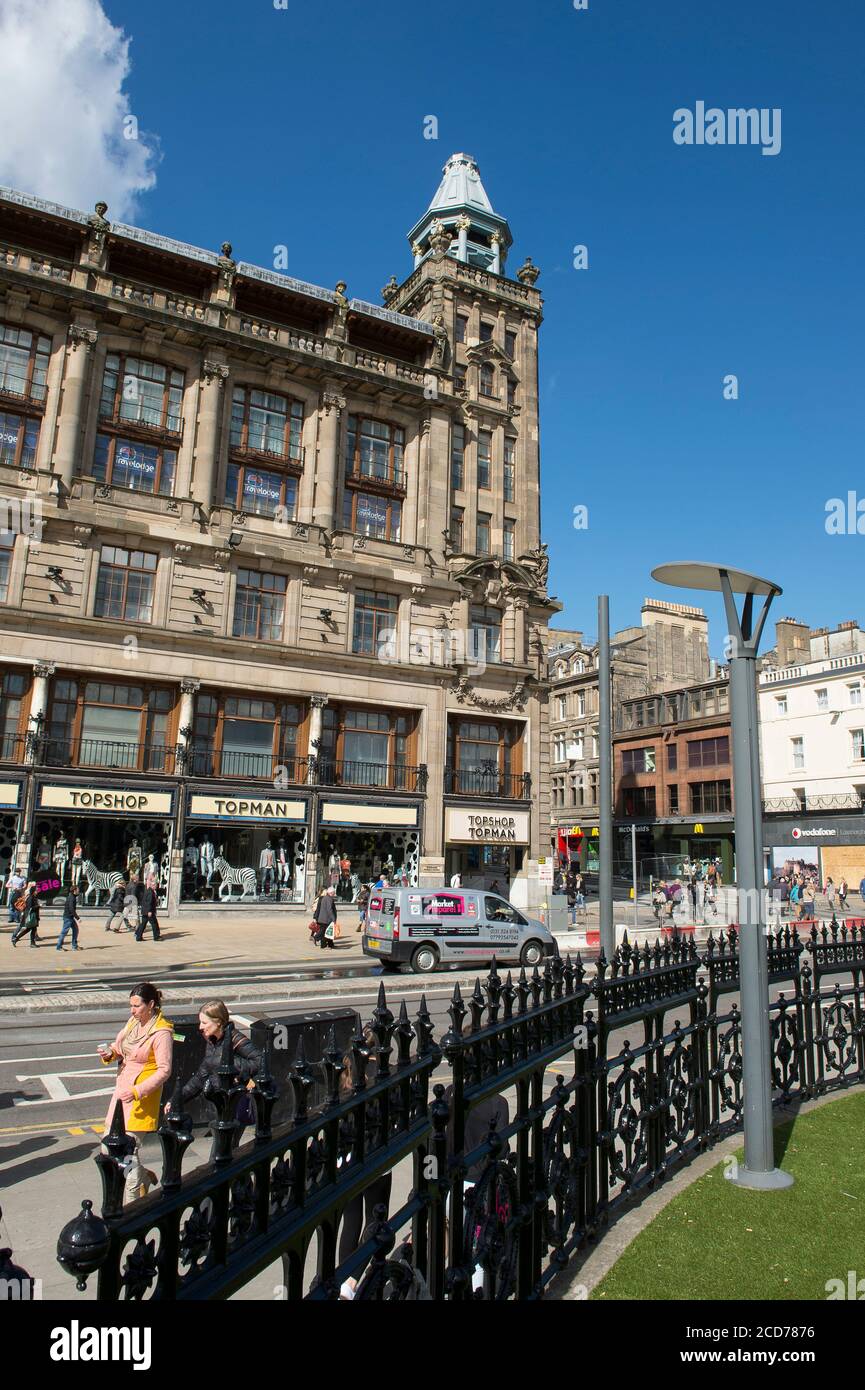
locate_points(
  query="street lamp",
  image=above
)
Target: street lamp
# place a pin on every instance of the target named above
(744, 633)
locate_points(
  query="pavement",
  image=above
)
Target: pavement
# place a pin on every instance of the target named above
(233, 956)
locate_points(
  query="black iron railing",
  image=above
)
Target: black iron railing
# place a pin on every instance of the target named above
(12, 747)
(471, 781)
(377, 477)
(547, 1172)
(111, 754)
(231, 763)
(353, 773)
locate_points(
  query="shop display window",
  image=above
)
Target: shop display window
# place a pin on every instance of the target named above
(243, 863)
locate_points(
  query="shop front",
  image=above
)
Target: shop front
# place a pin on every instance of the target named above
(93, 837)
(830, 846)
(486, 846)
(359, 841)
(11, 801)
(577, 847)
(245, 847)
(666, 847)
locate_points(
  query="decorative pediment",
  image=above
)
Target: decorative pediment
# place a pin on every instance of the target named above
(489, 352)
(514, 700)
(492, 578)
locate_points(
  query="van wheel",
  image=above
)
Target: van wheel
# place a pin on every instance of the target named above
(532, 954)
(425, 959)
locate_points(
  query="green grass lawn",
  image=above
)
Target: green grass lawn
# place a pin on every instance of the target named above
(716, 1240)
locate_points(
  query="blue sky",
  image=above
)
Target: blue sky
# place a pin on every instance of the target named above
(304, 126)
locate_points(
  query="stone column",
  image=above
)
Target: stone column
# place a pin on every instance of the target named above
(78, 356)
(188, 689)
(520, 607)
(327, 463)
(417, 252)
(316, 705)
(214, 377)
(496, 241)
(185, 720)
(42, 673)
(463, 224)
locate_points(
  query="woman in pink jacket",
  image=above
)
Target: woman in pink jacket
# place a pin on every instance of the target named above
(143, 1048)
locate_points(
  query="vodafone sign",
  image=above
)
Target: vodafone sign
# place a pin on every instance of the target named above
(813, 832)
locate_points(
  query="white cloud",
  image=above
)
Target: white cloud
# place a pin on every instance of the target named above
(62, 107)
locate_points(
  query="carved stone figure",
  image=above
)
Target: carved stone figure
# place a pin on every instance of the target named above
(440, 237)
(442, 344)
(539, 561)
(227, 267)
(390, 289)
(528, 272)
(99, 229)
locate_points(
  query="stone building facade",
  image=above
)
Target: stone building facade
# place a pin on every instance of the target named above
(273, 597)
(669, 647)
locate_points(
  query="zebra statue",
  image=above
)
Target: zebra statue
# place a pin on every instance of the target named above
(97, 880)
(244, 878)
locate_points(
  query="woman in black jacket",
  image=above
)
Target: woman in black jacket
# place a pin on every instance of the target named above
(115, 905)
(213, 1022)
(324, 913)
(29, 916)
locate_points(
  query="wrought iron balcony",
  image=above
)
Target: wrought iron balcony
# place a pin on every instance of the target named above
(12, 748)
(110, 754)
(490, 782)
(291, 459)
(375, 478)
(799, 806)
(397, 777)
(248, 766)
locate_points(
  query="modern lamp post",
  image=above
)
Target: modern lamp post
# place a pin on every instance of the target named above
(744, 633)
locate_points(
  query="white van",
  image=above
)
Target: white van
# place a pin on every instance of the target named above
(422, 927)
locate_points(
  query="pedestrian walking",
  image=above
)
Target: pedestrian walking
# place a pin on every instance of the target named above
(456, 881)
(692, 893)
(28, 913)
(148, 917)
(362, 905)
(843, 890)
(71, 920)
(131, 910)
(324, 913)
(115, 909)
(15, 885)
(829, 890)
(808, 901)
(214, 1021)
(143, 1048)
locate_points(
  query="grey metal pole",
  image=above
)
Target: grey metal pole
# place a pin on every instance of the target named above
(759, 1168)
(605, 805)
(634, 870)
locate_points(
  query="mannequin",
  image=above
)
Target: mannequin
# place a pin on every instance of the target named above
(77, 862)
(283, 862)
(333, 867)
(267, 867)
(133, 858)
(61, 855)
(190, 854)
(151, 872)
(43, 855)
(206, 856)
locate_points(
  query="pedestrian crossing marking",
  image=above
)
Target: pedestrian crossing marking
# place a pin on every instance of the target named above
(98, 1129)
(75, 1130)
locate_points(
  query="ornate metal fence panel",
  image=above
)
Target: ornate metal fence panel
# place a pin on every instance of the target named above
(650, 1075)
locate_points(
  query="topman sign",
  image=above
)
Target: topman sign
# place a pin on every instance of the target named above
(491, 826)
